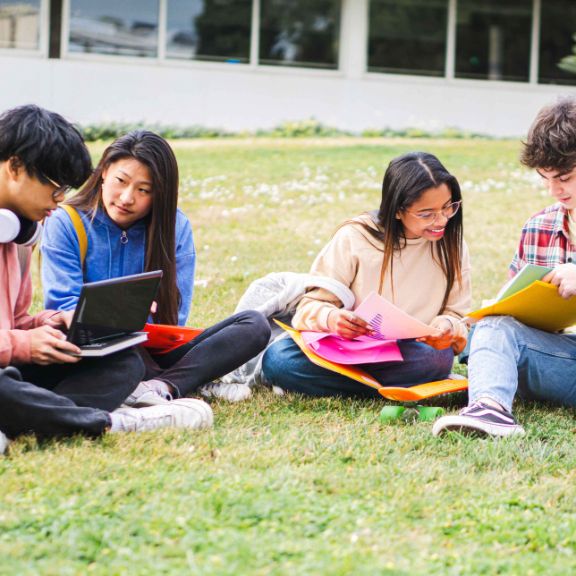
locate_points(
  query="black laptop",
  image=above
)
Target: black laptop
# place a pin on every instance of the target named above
(111, 313)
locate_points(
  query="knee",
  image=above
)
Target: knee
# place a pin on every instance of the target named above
(486, 330)
(259, 327)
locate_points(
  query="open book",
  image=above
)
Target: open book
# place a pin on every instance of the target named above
(532, 302)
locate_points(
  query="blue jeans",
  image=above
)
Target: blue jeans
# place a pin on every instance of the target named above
(507, 357)
(286, 366)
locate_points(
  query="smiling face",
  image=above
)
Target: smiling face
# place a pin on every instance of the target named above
(423, 218)
(127, 191)
(562, 187)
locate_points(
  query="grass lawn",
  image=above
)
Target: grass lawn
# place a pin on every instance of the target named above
(290, 485)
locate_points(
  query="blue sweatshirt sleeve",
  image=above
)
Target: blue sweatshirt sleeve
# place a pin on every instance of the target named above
(62, 276)
(185, 265)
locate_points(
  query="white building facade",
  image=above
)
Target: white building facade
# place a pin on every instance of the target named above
(484, 66)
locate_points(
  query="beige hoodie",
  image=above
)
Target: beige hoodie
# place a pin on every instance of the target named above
(354, 257)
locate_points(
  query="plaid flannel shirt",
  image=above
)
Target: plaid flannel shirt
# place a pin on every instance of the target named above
(545, 240)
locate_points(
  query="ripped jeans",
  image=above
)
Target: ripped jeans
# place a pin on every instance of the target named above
(508, 357)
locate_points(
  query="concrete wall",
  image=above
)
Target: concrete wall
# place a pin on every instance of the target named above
(241, 97)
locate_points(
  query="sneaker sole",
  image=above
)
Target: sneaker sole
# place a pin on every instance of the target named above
(473, 427)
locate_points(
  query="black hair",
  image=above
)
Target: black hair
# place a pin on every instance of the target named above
(45, 145)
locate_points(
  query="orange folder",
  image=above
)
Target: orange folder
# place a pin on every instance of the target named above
(163, 338)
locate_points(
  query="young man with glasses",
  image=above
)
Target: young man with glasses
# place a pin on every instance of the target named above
(507, 357)
(45, 388)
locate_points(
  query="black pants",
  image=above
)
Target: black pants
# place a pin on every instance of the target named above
(64, 399)
(212, 354)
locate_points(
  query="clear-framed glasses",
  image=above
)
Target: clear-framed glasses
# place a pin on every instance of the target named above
(430, 216)
(61, 190)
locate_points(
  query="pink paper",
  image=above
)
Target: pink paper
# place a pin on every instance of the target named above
(362, 350)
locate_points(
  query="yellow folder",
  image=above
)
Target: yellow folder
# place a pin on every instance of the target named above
(538, 305)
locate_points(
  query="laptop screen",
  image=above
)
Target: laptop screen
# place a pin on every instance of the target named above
(113, 307)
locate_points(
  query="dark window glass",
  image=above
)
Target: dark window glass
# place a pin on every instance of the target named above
(119, 27)
(300, 33)
(493, 39)
(20, 24)
(558, 42)
(408, 36)
(209, 30)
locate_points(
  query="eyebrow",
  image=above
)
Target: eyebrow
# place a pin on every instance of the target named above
(130, 177)
(559, 175)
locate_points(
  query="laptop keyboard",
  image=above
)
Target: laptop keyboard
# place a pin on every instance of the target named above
(102, 343)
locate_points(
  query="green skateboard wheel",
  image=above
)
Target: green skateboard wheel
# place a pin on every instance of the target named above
(390, 413)
(429, 413)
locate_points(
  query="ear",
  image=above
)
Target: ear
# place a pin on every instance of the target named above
(14, 167)
(398, 215)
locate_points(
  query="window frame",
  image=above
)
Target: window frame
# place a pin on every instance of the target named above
(43, 34)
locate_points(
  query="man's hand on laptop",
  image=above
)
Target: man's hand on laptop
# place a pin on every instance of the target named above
(49, 346)
(62, 319)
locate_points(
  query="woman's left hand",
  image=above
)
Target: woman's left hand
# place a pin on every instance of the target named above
(443, 337)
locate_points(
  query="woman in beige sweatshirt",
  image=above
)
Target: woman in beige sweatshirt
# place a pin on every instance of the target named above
(411, 251)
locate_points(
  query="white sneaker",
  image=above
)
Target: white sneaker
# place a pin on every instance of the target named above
(182, 413)
(3, 443)
(148, 393)
(233, 392)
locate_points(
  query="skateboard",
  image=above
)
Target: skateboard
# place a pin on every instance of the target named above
(408, 410)
(407, 397)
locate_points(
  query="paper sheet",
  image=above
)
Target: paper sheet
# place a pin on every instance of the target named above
(388, 321)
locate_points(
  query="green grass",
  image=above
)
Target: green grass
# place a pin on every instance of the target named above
(294, 485)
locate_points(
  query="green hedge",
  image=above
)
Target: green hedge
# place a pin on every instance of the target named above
(297, 129)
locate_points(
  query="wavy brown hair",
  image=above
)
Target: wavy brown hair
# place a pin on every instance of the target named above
(155, 153)
(406, 179)
(551, 142)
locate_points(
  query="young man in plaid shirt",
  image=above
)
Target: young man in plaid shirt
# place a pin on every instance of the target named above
(507, 357)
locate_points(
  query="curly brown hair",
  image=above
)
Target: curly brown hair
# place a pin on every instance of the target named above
(551, 142)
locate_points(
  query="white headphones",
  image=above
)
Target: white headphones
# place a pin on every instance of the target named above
(14, 228)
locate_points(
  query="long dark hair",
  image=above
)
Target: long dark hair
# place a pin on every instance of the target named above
(406, 179)
(155, 153)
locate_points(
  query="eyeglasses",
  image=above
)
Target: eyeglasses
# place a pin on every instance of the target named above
(61, 190)
(430, 216)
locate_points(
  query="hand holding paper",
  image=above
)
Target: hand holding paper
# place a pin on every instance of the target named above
(390, 322)
(347, 324)
(445, 337)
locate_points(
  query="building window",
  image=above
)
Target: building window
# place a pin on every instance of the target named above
(408, 36)
(114, 27)
(20, 24)
(209, 30)
(493, 39)
(300, 33)
(558, 42)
